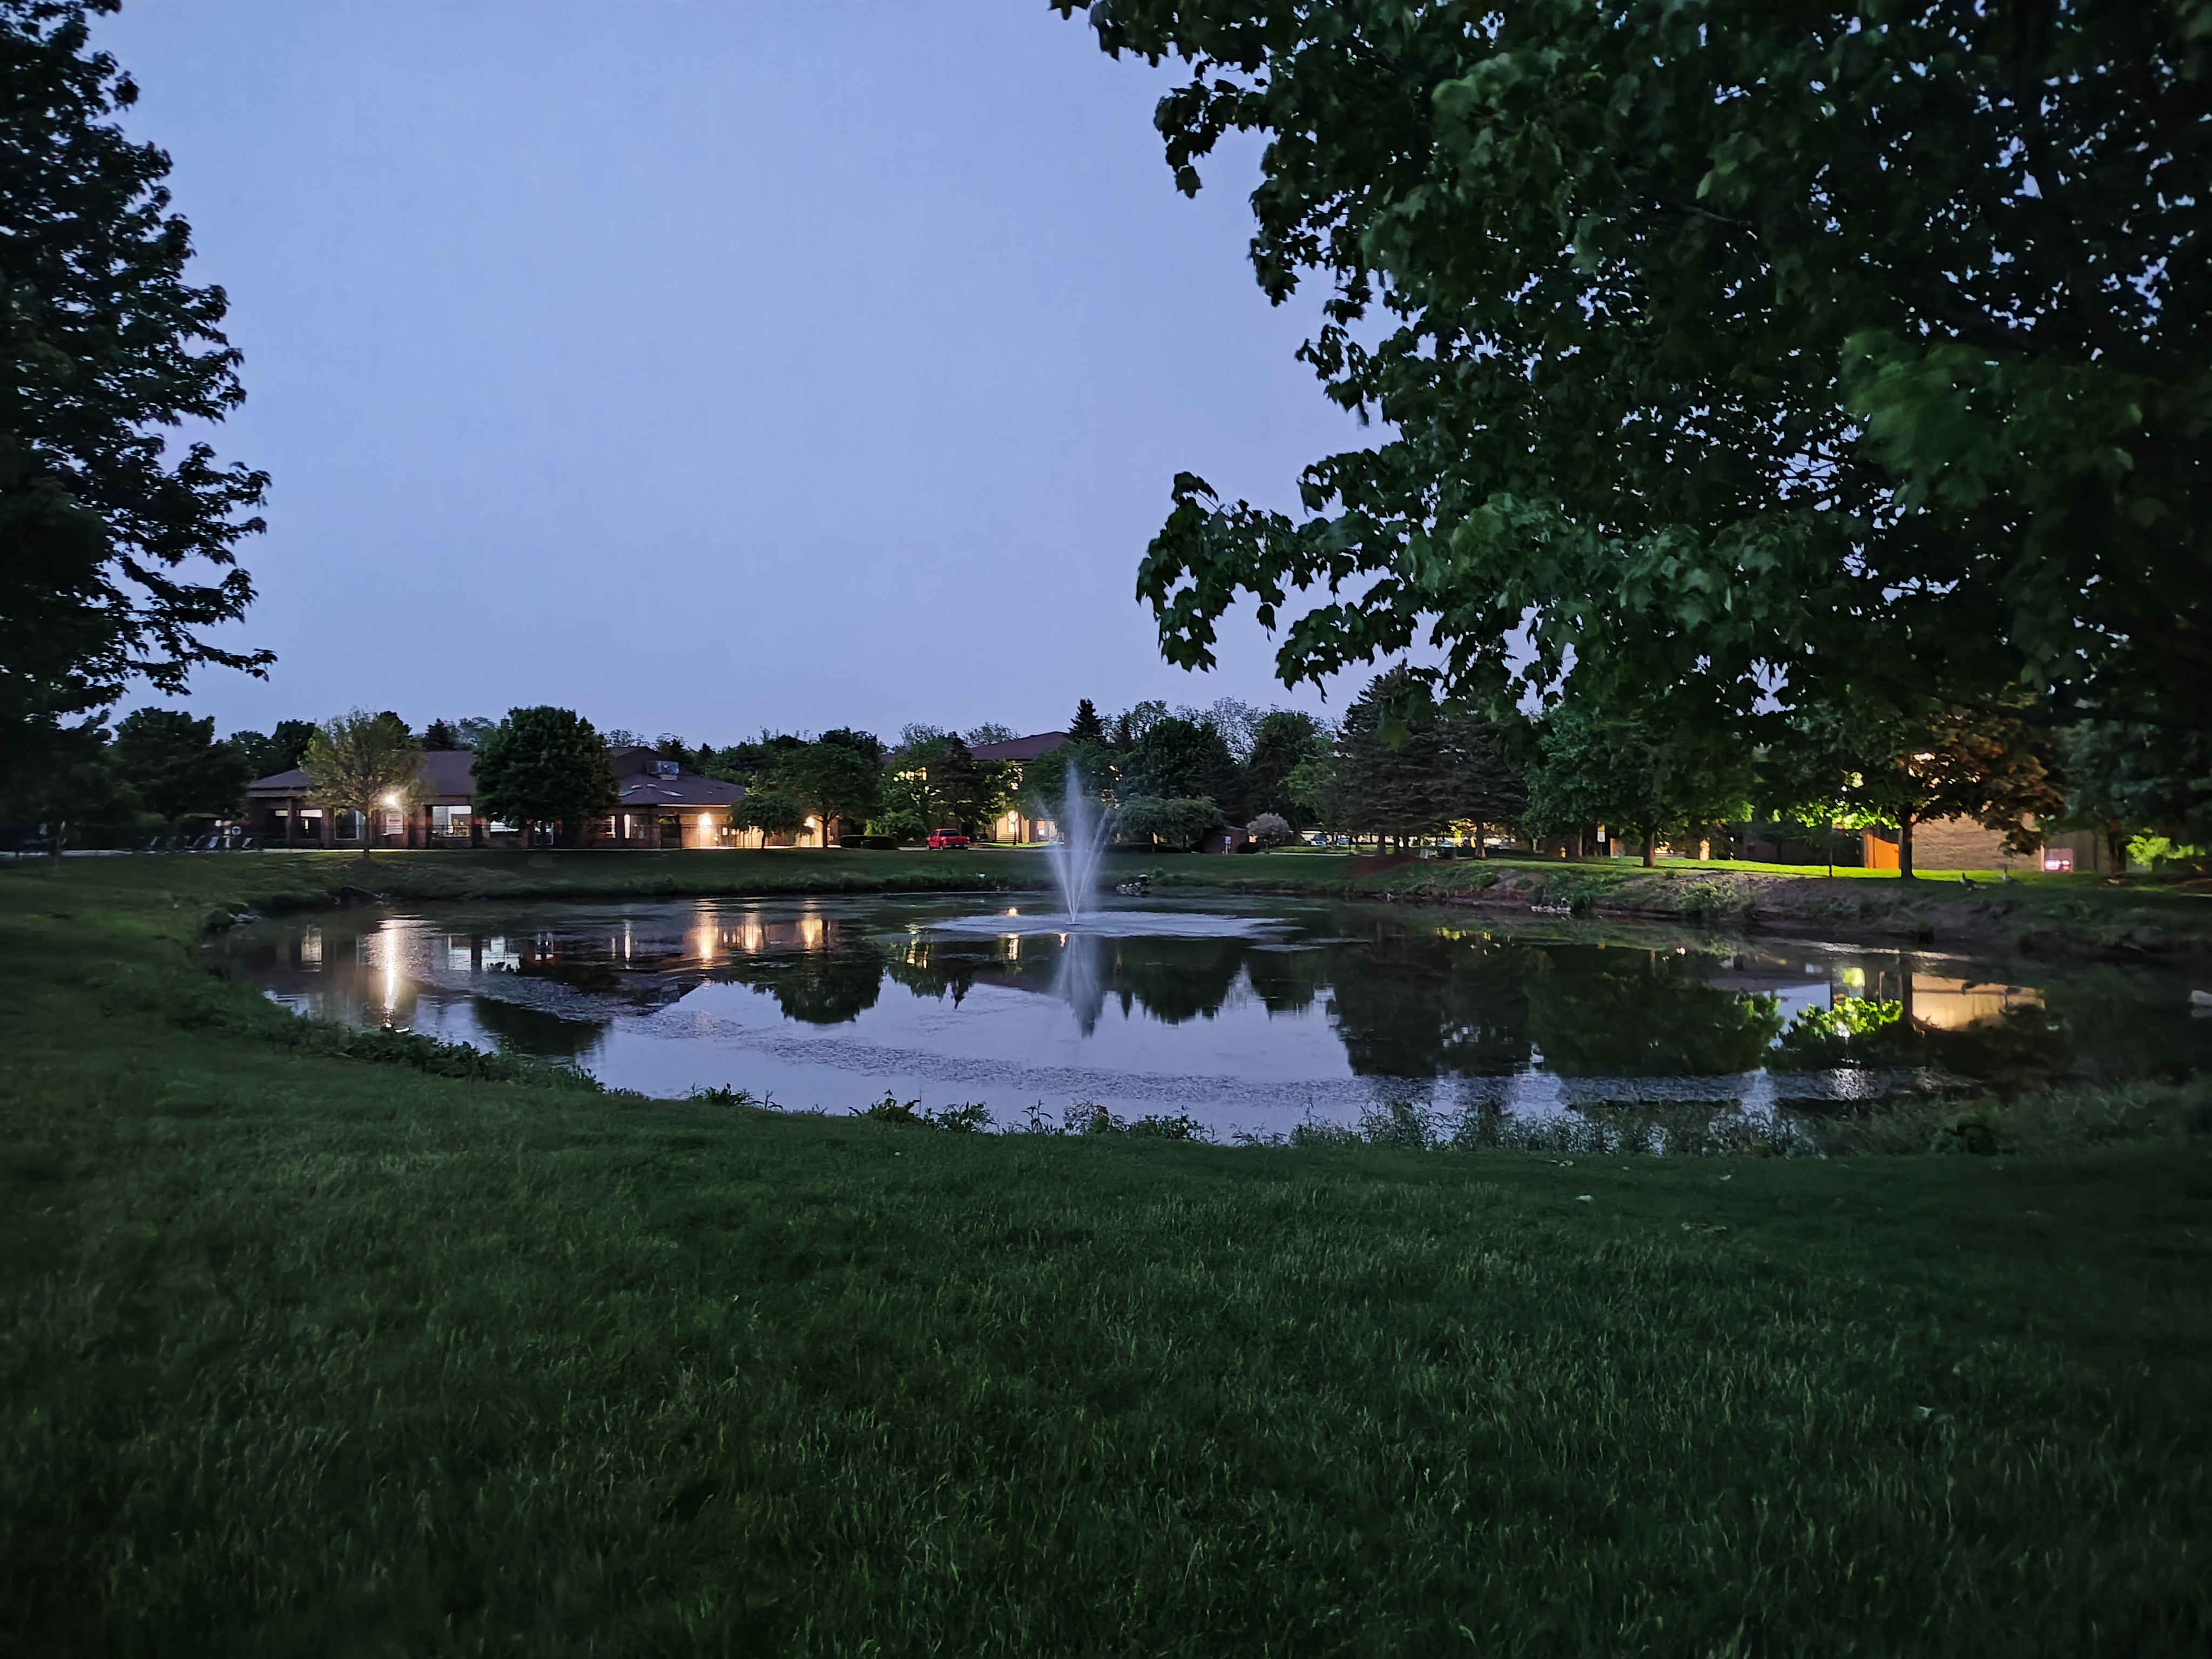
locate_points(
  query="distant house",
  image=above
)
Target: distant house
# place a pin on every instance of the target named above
(1014, 825)
(659, 804)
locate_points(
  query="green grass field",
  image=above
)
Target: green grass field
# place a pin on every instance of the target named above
(303, 1354)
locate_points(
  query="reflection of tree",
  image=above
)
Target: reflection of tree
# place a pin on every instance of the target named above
(533, 1031)
(1175, 979)
(825, 987)
(931, 971)
(1643, 1013)
(1288, 981)
(2118, 1022)
(1422, 1004)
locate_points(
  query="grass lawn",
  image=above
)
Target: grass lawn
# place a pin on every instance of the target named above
(303, 1354)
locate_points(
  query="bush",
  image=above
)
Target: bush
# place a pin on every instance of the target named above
(969, 1118)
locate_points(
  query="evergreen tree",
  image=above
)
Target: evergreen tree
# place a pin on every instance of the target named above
(1087, 726)
(1403, 766)
(119, 541)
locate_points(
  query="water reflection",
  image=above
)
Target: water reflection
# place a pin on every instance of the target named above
(1289, 1001)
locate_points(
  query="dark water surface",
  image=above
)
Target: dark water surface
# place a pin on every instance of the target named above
(1249, 1017)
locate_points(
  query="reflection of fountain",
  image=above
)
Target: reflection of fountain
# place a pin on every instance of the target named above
(1078, 980)
(1075, 856)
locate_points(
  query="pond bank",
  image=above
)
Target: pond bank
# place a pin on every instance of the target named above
(2036, 913)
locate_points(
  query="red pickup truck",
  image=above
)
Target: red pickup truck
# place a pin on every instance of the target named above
(941, 839)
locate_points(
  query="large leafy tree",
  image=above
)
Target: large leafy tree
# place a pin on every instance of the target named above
(281, 749)
(175, 766)
(365, 763)
(839, 776)
(1745, 355)
(120, 540)
(935, 780)
(1907, 766)
(1179, 758)
(544, 766)
(1594, 768)
(1283, 740)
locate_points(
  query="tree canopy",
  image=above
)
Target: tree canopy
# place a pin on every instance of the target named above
(839, 775)
(283, 747)
(172, 764)
(360, 762)
(120, 540)
(1633, 772)
(1180, 758)
(544, 765)
(1743, 356)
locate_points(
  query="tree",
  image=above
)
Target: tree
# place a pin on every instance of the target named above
(544, 766)
(1739, 358)
(73, 784)
(934, 779)
(841, 775)
(990, 731)
(284, 748)
(1404, 766)
(1934, 760)
(1087, 726)
(1085, 764)
(1284, 740)
(1634, 773)
(1132, 723)
(770, 811)
(752, 763)
(364, 763)
(120, 544)
(2121, 780)
(172, 764)
(1179, 758)
(441, 738)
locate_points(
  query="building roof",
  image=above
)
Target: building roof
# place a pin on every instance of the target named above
(448, 775)
(445, 772)
(1020, 749)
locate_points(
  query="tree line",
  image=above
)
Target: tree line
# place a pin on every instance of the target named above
(1398, 767)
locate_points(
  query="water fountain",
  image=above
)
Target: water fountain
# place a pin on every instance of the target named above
(1075, 856)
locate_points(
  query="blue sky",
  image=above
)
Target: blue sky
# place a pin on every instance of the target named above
(715, 367)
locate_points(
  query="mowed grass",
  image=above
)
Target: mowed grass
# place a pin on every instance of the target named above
(304, 1355)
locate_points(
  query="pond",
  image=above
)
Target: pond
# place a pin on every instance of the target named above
(1248, 1018)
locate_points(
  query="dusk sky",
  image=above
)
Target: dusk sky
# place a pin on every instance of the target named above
(711, 368)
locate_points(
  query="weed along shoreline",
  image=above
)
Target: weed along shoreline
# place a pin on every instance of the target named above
(305, 1353)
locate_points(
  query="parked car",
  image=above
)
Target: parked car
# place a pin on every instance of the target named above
(941, 839)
